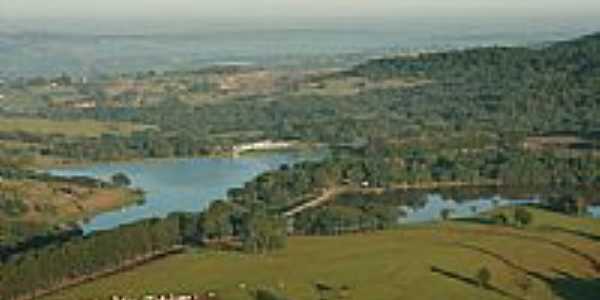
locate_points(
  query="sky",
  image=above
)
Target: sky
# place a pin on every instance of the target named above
(215, 9)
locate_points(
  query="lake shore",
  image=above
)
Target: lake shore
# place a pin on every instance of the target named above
(181, 184)
(61, 205)
(59, 163)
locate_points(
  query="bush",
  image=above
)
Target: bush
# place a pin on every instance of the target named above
(500, 219)
(13, 207)
(523, 217)
(264, 294)
(483, 277)
(446, 213)
(121, 180)
(262, 233)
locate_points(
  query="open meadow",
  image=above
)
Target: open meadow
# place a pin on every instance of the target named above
(557, 257)
(76, 128)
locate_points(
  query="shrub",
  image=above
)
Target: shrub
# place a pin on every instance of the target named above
(262, 233)
(446, 213)
(265, 294)
(500, 219)
(483, 277)
(121, 180)
(523, 217)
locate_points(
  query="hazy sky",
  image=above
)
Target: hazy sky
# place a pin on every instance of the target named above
(289, 8)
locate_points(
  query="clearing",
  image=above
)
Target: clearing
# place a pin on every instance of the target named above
(79, 128)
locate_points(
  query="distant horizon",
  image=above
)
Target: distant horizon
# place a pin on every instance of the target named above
(298, 18)
(143, 25)
(290, 9)
(79, 44)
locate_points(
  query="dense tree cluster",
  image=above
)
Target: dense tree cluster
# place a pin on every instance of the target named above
(494, 90)
(337, 219)
(391, 166)
(70, 256)
(51, 266)
(262, 232)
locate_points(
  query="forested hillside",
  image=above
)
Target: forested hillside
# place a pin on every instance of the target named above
(511, 92)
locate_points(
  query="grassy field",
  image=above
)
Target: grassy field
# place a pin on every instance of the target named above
(355, 85)
(436, 261)
(84, 128)
(58, 202)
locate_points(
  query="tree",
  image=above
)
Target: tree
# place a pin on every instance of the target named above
(45, 267)
(383, 215)
(64, 79)
(121, 180)
(483, 277)
(500, 219)
(473, 209)
(262, 233)
(189, 226)
(581, 205)
(216, 222)
(446, 213)
(523, 217)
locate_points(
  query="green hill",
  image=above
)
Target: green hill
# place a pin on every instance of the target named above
(556, 258)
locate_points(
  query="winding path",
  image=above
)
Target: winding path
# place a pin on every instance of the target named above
(326, 196)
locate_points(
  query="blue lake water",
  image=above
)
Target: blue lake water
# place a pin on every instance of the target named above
(594, 211)
(435, 204)
(179, 185)
(190, 185)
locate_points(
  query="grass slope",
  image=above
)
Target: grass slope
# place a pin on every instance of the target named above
(84, 128)
(53, 203)
(557, 253)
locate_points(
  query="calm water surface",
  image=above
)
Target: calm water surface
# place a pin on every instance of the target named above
(434, 205)
(180, 185)
(594, 211)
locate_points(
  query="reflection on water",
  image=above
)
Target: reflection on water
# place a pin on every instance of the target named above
(434, 204)
(180, 185)
(594, 211)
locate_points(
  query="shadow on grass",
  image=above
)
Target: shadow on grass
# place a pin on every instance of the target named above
(505, 261)
(566, 286)
(578, 233)
(475, 220)
(472, 282)
(593, 260)
(570, 287)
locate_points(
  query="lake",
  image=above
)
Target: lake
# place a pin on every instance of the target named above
(419, 206)
(431, 208)
(594, 211)
(190, 185)
(434, 204)
(180, 185)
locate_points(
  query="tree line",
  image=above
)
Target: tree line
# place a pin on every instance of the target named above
(70, 257)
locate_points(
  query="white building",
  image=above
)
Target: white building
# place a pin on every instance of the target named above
(261, 146)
